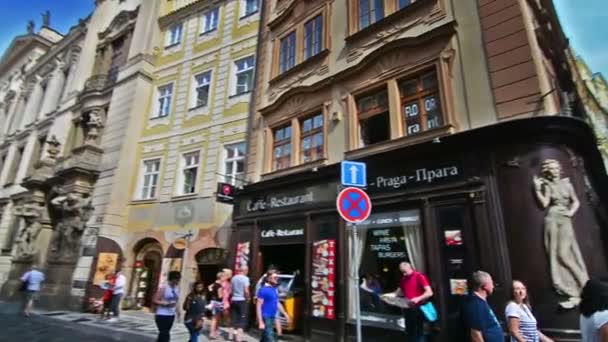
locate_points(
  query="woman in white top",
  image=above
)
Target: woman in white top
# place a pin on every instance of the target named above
(594, 311)
(167, 308)
(521, 322)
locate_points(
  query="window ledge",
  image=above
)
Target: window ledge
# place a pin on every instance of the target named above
(170, 46)
(385, 22)
(207, 32)
(249, 15)
(184, 197)
(312, 60)
(159, 117)
(239, 94)
(197, 107)
(295, 169)
(399, 142)
(144, 201)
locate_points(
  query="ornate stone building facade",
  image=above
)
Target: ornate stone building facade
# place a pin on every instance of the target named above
(153, 116)
(100, 67)
(38, 97)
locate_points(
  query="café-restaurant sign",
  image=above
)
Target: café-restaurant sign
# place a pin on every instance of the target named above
(289, 198)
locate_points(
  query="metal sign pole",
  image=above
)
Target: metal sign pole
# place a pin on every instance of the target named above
(356, 276)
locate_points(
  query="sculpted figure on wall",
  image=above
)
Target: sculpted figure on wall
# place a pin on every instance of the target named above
(94, 124)
(72, 214)
(568, 270)
(25, 242)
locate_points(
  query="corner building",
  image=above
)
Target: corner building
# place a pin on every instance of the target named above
(464, 112)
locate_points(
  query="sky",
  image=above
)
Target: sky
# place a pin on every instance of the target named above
(585, 23)
(15, 15)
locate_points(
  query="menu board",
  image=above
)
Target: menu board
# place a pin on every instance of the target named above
(242, 255)
(323, 279)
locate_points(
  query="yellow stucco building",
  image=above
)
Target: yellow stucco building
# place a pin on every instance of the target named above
(193, 138)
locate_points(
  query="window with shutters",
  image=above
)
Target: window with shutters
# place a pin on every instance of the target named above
(374, 118)
(282, 147)
(421, 104)
(312, 138)
(150, 175)
(201, 90)
(234, 163)
(244, 69)
(188, 177)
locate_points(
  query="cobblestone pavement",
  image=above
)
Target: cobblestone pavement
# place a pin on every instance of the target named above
(64, 326)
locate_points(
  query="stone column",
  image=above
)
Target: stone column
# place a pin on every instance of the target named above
(72, 62)
(33, 104)
(17, 116)
(53, 91)
(9, 110)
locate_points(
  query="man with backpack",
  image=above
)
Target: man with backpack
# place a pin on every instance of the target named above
(30, 282)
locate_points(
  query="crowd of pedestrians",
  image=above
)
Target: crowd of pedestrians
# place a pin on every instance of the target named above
(228, 299)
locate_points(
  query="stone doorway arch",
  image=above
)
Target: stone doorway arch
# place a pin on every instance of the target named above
(209, 262)
(146, 271)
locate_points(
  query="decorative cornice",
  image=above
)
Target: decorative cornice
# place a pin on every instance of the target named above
(120, 22)
(55, 51)
(444, 30)
(185, 11)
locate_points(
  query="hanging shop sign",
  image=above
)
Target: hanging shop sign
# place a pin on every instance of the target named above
(225, 193)
(323, 279)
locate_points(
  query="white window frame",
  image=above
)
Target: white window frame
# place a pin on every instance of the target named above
(232, 176)
(174, 35)
(206, 77)
(188, 164)
(246, 3)
(163, 101)
(210, 21)
(144, 191)
(241, 67)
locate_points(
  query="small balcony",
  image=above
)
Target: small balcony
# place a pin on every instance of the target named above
(96, 84)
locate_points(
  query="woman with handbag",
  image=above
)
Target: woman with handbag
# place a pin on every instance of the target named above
(194, 306)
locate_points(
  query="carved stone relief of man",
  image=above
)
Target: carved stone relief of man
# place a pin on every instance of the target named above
(568, 270)
(74, 212)
(25, 243)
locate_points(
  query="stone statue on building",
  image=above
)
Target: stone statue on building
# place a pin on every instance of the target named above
(30, 27)
(71, 211)
(52, 148)
(46, 18)
(94, 124)
(568, 270)
(25, 242)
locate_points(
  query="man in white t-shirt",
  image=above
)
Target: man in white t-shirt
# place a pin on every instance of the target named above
(117, 292)
(32, 280)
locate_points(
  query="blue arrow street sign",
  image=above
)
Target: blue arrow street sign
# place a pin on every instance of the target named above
(354, 174)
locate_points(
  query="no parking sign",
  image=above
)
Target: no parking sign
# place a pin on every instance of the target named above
(354, 205)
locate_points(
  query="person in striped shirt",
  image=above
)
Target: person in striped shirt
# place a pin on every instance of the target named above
(521, 322)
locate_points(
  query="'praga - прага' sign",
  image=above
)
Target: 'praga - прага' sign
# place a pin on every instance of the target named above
(400, 179)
